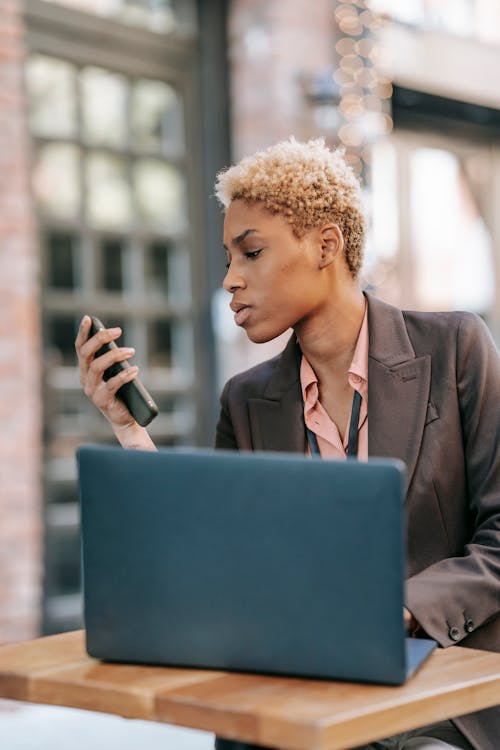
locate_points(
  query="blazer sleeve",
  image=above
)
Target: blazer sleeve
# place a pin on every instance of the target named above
(455, 596)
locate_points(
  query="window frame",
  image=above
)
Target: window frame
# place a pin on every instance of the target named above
(187, 61)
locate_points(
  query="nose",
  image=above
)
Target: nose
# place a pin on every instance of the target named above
(233, 280)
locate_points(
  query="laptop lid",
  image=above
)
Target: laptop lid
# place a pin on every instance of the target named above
(271, 563)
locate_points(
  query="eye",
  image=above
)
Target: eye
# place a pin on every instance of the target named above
(253, 254)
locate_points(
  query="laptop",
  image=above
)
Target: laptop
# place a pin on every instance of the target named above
(268, 563)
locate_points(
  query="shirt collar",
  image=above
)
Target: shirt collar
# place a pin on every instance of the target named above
(359, 362)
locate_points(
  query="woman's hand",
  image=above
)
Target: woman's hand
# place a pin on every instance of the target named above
(102, 393)
(411, 625)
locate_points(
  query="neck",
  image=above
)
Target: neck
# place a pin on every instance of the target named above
(329, 338)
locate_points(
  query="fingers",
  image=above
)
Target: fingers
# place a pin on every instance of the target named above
(83, 332)
(94, 374)
(105, 391)
(87, 347)
(92, 368)
(119, 354)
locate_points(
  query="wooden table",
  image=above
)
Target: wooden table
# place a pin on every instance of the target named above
(276, 711)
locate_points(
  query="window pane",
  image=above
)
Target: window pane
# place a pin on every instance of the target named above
(180, 410)
(64, 493)
(156, 118)
(69, 403)
(64, 561)
(61, 334)
(56, 179)
(447, 223)
(159, 195)
(61, 260)
(52, 97)
(159, 343)
(104, 107)
(156, 268)
(108, 193)
(166, 272)
(161, 16)
(111, 265)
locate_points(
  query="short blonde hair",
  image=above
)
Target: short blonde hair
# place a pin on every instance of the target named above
(308, 184)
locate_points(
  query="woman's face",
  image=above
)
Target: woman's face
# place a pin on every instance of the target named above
(272, 275)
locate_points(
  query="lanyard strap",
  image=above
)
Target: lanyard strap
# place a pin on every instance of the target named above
(352, 443)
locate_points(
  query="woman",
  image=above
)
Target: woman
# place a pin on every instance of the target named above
(423, 387)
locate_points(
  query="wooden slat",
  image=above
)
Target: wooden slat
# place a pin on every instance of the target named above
(20, 662)
(276, 711)
(299, 714)
(128, 691)
(56, 670)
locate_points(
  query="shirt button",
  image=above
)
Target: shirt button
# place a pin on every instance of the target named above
(469, 625)
(454, 634)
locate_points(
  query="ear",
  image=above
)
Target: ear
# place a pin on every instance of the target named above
(332, 244)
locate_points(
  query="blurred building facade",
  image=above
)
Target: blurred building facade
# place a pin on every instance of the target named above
(114, 122)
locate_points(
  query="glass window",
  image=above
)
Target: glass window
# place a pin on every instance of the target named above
(108, 191)
(157, 268)
(56, 180)
(61, 333)
(104, 107)
(111, 265)
(67, 571)
(61, 258)
(110, 184)
(473, 18)
(52, 97)
(70, 405)
(159, 195)
(156, 114)
(64, 493)
(446, 224)
(160, 16)
(160, 343)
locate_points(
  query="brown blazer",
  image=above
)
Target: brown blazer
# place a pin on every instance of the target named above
(434, 402)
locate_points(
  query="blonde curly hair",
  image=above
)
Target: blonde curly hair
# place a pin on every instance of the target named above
(307, 183)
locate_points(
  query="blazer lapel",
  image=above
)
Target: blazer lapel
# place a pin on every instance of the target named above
(398, 387)
(276, 421)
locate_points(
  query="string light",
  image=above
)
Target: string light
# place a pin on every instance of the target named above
(364, 83)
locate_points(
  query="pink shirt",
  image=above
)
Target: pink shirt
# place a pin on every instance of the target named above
(316, 418)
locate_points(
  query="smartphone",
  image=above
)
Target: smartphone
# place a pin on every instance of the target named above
(133, 394)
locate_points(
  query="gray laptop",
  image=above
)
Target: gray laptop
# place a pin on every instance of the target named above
(270, 563)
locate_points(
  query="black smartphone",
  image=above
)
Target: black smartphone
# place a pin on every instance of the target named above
(133, 394)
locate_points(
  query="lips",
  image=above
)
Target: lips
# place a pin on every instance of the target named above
(241, 312)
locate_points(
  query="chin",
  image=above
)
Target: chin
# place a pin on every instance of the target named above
(262, 337)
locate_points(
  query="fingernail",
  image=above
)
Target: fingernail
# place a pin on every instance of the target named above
(83, 320)
(130, 349)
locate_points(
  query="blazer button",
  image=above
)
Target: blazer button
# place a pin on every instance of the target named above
(454, 634)
(469, 625)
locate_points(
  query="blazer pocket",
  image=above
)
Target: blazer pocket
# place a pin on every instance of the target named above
(432, 414)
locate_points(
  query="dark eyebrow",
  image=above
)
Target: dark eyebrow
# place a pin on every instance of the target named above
(240, 237)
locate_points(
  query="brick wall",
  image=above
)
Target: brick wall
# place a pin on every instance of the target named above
(273, 45)
(20, 486)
